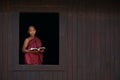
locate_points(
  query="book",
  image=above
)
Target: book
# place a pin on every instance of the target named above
(40, 48)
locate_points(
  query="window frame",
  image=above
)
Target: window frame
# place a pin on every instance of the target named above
(15, 60)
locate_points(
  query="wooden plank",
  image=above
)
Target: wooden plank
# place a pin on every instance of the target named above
(5, 48)
(1, 45)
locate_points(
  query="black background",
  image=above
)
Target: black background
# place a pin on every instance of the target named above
(47, 25)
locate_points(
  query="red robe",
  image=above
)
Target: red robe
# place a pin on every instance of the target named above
(32, 58)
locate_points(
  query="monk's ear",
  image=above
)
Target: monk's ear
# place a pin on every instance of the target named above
(35, 30)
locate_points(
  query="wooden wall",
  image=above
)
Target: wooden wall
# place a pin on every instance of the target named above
(98, 46)
(89, 41)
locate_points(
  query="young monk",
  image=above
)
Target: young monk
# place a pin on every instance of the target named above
(32, 56)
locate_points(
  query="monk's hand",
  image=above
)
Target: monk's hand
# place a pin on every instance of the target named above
(42, 50)
(34, 51)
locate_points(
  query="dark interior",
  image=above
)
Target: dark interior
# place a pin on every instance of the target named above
(47, 25)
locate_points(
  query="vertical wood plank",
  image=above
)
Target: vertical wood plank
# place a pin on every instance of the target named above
(1, 44)
(5, 47)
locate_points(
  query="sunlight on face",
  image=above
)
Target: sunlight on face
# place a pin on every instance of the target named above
(32, 31)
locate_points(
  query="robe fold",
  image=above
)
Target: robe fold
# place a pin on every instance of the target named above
(32, 58)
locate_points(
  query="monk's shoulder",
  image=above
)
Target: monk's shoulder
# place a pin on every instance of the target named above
(38, 38)
(27, 40)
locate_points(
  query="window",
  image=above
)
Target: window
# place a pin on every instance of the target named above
(47, 30)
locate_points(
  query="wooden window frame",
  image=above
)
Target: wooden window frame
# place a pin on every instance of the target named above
(15, 58)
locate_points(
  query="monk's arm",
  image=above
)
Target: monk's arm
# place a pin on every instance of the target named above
(24, 50)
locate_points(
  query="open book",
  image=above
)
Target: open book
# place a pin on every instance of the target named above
(37, 48)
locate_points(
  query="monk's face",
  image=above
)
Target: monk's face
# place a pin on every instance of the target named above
(32, 31)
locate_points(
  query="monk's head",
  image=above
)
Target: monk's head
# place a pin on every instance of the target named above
(32, 31)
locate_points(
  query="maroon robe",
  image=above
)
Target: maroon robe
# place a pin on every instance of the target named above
(32, 58)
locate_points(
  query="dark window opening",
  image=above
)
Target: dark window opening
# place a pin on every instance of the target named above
(47, 26)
